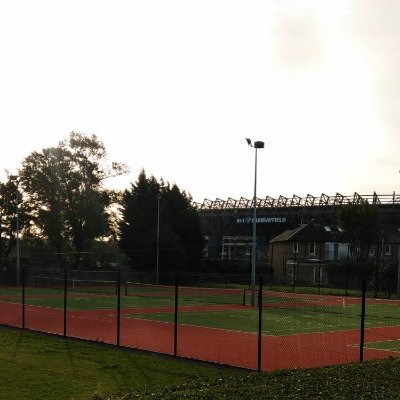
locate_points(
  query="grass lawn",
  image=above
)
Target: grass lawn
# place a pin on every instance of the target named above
(42, 367)
(34, 366)
(369, 381)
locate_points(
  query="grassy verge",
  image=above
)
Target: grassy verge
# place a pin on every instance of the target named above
(36, 366)
(373, 381)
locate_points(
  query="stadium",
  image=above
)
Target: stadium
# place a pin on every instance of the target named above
(227, 224)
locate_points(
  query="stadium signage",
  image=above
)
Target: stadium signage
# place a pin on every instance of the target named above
(261, 220)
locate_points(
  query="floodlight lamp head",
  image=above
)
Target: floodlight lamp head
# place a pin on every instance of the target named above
(259, 145)
(249, 142)
(158, 196)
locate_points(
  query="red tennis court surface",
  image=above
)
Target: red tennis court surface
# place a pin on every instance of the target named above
(208, 344)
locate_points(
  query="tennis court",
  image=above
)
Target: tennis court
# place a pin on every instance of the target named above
(286, 330)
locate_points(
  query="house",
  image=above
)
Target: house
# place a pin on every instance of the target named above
(302, 254)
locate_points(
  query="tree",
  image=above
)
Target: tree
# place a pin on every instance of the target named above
(182, 221)
(181, 239)
(139, 219)
(8, 216)
(359, 223)
(64, 188)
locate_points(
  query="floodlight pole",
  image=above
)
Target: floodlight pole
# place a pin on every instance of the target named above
(257, 145)
(398, 268)
(158, 240)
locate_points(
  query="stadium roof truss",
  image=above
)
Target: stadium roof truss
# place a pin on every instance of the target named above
(297, 201)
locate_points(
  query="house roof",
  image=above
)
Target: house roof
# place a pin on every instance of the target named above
(286, 235)
(311, 232)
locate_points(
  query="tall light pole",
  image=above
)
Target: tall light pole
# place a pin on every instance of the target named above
(16, 179)
(257, 145)
(158, 239)
(398, 266)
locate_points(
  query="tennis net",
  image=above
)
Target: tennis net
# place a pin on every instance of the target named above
(189, 295)
(78, 285)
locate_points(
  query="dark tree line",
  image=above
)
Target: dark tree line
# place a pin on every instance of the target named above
(9, 194)
(360, 227)
(64, 207)
(149, 204)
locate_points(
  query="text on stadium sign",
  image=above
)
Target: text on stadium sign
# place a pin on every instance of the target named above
(261, 220)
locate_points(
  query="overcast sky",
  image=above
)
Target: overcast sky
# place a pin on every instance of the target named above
(175, 87)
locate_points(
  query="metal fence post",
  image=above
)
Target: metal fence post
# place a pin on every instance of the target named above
(260, 295)
(119, 308)
(376, 272)
(23, 297)
(294, 272)
(346, 284)
(65, 299)
(362, 327)
(319, 268)
(176, 316)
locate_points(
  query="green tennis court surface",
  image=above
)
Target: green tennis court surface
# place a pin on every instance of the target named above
(134, 296)
(283, 321)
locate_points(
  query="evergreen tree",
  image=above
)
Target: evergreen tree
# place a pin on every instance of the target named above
(359, 223)
(181, 240)
(8, 216)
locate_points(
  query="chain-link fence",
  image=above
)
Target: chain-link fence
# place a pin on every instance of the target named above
(279, 324)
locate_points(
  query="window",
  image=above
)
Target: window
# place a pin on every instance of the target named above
(295, 247)
(311, 248)
(388, 249)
